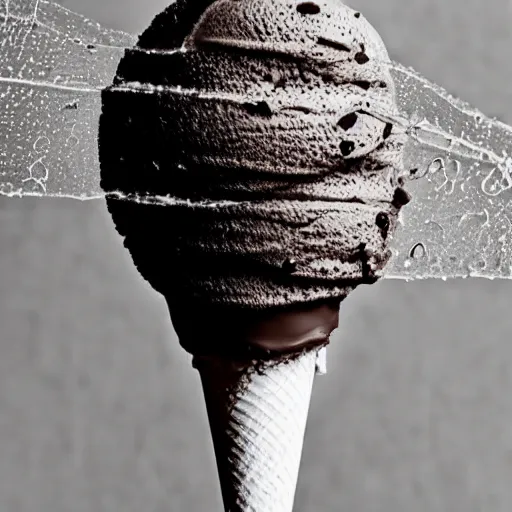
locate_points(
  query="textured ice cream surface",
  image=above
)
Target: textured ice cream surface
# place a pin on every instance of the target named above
(266, 125)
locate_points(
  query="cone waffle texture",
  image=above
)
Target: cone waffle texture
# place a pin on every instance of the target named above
(258, 418)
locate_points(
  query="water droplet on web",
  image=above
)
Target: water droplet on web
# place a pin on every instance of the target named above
(38, 174)
(49, 146)
(499, 179)
(418, 252)
(51, 101)
(417, 172)
(453, 169)
(436, 165)
(41, 144)
(72, 105)
(476, 267)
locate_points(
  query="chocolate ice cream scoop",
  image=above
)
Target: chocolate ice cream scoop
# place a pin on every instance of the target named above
(265, 127)
(261, 132)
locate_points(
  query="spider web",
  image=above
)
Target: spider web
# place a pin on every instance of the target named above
(55, 63)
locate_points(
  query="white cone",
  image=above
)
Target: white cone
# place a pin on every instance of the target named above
(258, 419)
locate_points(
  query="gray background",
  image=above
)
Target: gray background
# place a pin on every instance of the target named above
(101, 411)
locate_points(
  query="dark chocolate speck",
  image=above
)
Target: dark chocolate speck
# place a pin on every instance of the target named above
(261, 108)
(401, 197)
(364, 84)
(290, 265)
(365, 267)
(346, 147)
(348, 121)
(308, 8)
(382, 222)
(361, 58)
(72, 105)
(387, 130)
(336, 45)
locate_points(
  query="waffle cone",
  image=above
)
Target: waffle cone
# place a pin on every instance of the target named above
(257, 413)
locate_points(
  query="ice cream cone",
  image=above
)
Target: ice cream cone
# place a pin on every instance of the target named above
(254, 133)
(257, 413)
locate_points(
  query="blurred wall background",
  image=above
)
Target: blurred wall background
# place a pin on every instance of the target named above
(99, 407)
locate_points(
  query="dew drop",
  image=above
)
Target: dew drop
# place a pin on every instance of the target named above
(453, 169)
(418, 252)
(498, 180)
(416, 174)
(41, 144)
(436, 165)
(476, 266)
(73, 105)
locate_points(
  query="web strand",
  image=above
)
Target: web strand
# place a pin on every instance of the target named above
(56, 62)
